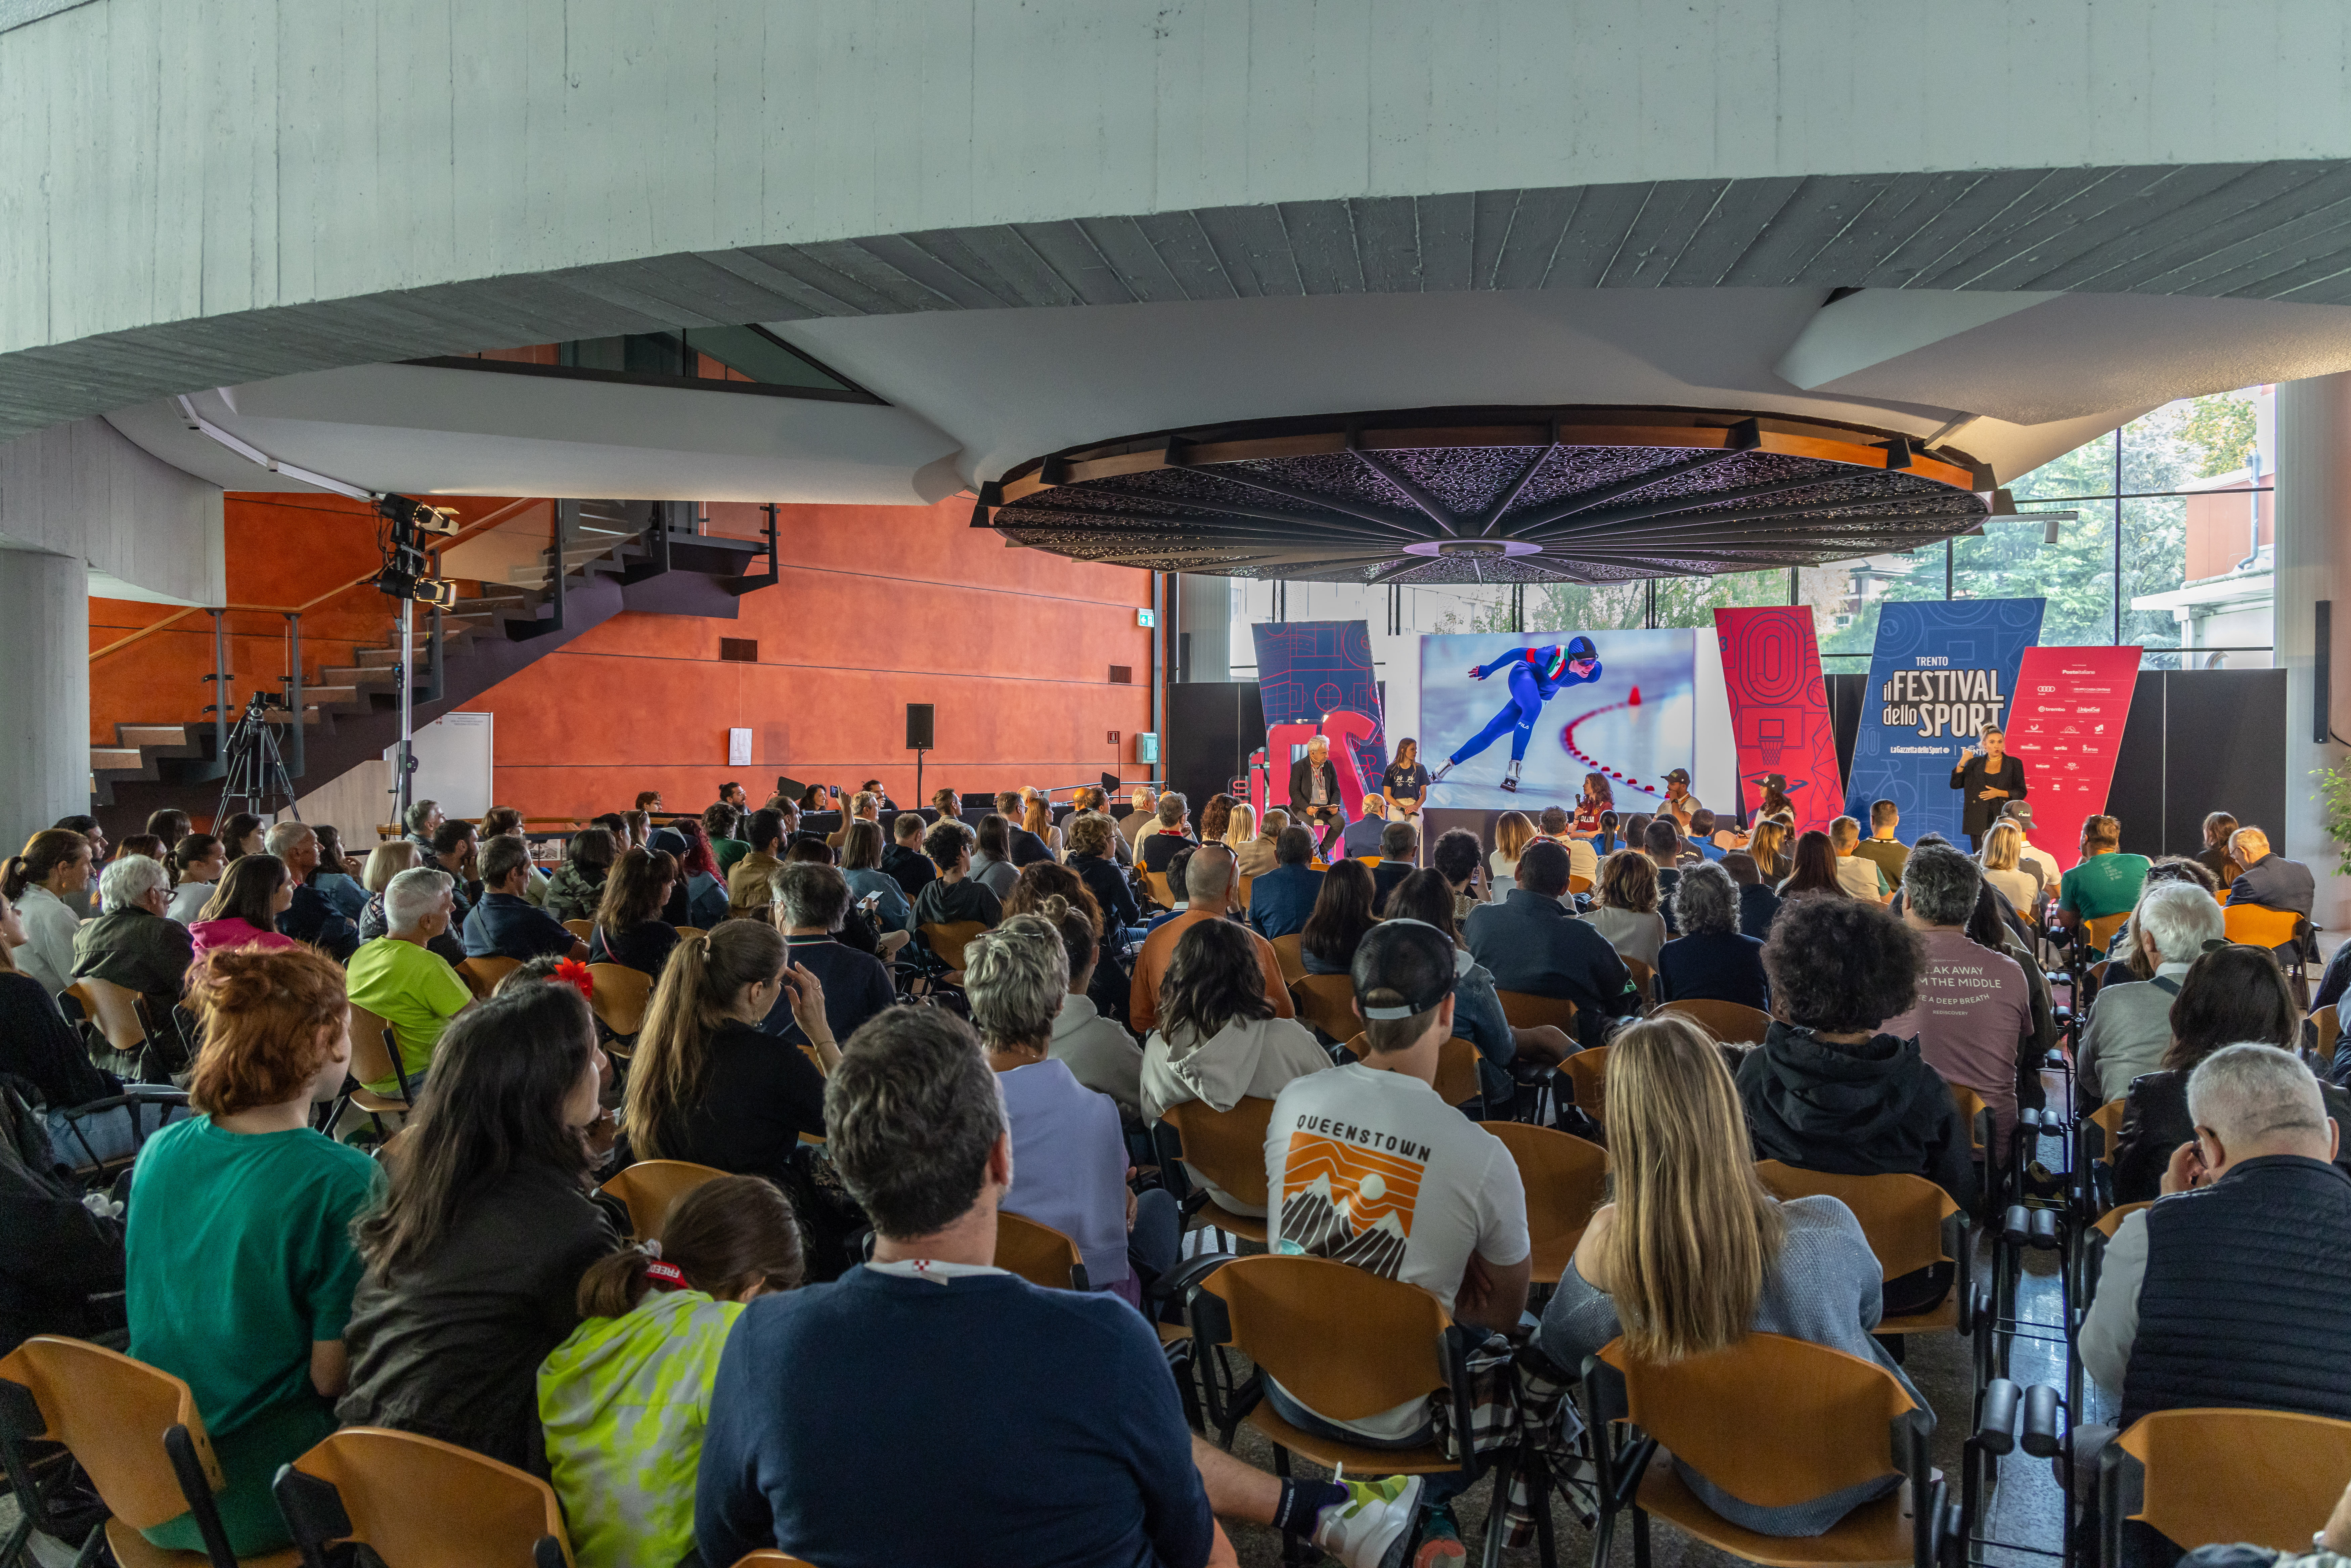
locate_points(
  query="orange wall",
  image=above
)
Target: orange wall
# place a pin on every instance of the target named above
(2220, 528)
(878, 607)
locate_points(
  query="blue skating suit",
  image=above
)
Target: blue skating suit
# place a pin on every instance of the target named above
(1535, 675)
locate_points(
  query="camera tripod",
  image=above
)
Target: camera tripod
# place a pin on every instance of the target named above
(252, 770)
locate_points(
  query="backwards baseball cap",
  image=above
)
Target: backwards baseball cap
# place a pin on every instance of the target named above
(1678, 776)
(2018, 811)
(1407, 963)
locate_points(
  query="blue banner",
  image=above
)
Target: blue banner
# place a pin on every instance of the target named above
(1942, 669)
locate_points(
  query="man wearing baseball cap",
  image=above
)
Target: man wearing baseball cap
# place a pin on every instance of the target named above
(2043, 865)
(1678, 800)
(1365, 1164)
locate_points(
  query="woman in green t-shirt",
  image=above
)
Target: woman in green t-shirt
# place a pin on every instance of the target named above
(239, 1254)
(623, 1399)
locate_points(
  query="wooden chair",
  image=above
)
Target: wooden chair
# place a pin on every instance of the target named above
(1977, 1118)
(1578, 884)
(119, 1013)
(2258, 926)
(1291, 951)
(1728, 1021)
(135, 1432)
(619, 997)
(1227, 1147)
(484, 972)
(2329, 1025)
(583, 929)
(2100, 933)
(1587, 1077)
(1038, 1253)
(419, 1501)
(1774, 1421)
(649, 1187)
(1566, 1179)
(1327, 1002)
(1904, 1219)
(1371, 859)
(1644, 980)
(948, 939)
(1527, 1010)
(2112, 1220)
(2268, 1477)
(1241, 886)
(375, 1059)
(1157, 880)
(1457, 1068)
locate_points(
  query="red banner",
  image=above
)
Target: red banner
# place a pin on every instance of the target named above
(1779, 710)
(2066, 725)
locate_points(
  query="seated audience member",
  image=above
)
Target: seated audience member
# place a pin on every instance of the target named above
(2254, 1196)
(1142, 817)
(637, 828)
(1095, 1045)
(1039, 839)
(1092, 855)
(1803, 1269)
(1157, 848)
(403, 981)
(503, 925)
(904, 860)
(1241, 831)
(2105, 881)
(1625, 906)
(857, 930)
(865, 806)
(1815, 859)
(1713, 959)
(146, 844)
(1210, 878)
(750, 884)
(1972, 1017)
(1261, 853)
(1179, 865)
(456, 849)
(170, 824)
(811, 903)
(868, 884)
(309, 917)
(1218, 1041)
(2003, 852)
(240, 1266)
(1478, 1015)
(1399, 847)
(1047, 880)
(60, 1262)
(1216, 818)
(2031, 858)
(43, 883)
(244, 910)
(195, 864)
(2216, 856)
(337, 878)
(948, 804)
(506, 823)
(1531, 942)
(1090, 1462)
(1013, 807)
(991, 866)
(133, 944)
(1069, 1151)
(954, 895)
(40, 1049)
(1453, 1199)
(1857, 874)
(624, 1399)
(1564, 831)
(1881, 847)
(1281, 900)
(1342, 916)
(2231, 995)
(1512, 833)
(1758, 905)
(1702, 828)
(720, 824)
(629, 927)
(1830, 1091)
(2269, 879)
(1661, 841)
(243, 834)
(1636, 833)
(423, 820)
(2130, 1026)
(1367, 835)
(1462, 859)
(1774, 856)
(384, 861)
(474, 1257)
(700, 899)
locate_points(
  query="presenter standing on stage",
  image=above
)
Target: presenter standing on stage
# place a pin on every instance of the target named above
(1314, 792)
(1990, 779)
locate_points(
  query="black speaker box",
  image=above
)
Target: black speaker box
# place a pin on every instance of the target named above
(918, 727)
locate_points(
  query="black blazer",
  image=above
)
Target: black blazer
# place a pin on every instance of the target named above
(1301, 785)
(1971, 774)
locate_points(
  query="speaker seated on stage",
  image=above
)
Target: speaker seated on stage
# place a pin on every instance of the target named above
(1314, 792)
(1532, 942)
(1366, 833)
(1281, 899)
(1172, 833)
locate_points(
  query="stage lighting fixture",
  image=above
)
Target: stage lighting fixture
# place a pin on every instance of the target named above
(402, 584)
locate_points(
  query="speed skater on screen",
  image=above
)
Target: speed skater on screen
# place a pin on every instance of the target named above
(1535, 674)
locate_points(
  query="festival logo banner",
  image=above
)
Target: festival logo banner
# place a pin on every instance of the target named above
(1780, 711)
(2071, 707)
(1316, 677)
(1942, 669)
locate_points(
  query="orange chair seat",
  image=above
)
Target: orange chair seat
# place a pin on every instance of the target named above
(1872, 1535)
(1367, 1461)
(133, 1550)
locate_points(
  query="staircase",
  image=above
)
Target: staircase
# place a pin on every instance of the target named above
(614, 555)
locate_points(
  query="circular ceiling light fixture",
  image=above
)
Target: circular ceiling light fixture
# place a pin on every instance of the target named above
(1590, 496)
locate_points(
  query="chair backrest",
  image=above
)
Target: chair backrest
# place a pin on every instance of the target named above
(1644, 980)
(1291, 951)
(1565, 1178)
(1157, 880)
(371, 1047)
(419, 1501)
(116, 1010)
(1902, 1215)
(1327, 1002)
(1773, 1421)
(2101, 931)
(1527, 1010)
(1974, 1113)
(1226, 1146)
(768, 1557)
(2112, 1220)
(619, 996)
(2330, 1031)
(1371, 859)
(2268, 1477)
(948, 938)
(1343, 1341)
(1587, 1075)
(583, 929)
(2261, 927)
(1037, 1253)
(1727, 1021)
(649, 1187)
(1241, 892)
(1578, 883)
(2108, 1119)
(112, 1413)
(1456, 1071)
(484, 974)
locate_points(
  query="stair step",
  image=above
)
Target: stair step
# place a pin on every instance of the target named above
(358, 676)
(117, 759)
(133, 736)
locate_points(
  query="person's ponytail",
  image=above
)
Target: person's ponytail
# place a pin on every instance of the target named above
(613, 1285)
(192, 848)
(16, 879)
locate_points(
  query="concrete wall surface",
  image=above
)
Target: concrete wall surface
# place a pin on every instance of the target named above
(144, 528)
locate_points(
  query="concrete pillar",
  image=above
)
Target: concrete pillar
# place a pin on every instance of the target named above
(1208, 621)
(44, 692)
(2314, 539)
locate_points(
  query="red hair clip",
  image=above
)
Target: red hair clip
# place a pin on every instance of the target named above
(573, 972)
(664, 1277)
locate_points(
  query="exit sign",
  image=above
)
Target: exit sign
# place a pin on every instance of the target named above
(1146, 618)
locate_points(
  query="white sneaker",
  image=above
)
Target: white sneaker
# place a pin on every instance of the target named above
(1373, 1529)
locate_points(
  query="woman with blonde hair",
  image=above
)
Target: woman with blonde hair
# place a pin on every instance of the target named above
(1625, 906)
(2003, 849)
(1037, 817)
(1769, 846)
(1240, 828)
(1512, 834)
(1691, 1254)
(384, 861)
(1256, 853)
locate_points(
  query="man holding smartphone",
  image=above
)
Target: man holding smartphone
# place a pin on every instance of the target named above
(1987, 779)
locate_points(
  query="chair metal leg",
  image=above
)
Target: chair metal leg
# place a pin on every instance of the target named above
(1640, 1536)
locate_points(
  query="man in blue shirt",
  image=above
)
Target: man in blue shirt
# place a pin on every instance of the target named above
(1005, 1423)
(1532, 942)
(1281, 899)
(505, 925)
(1364, 834)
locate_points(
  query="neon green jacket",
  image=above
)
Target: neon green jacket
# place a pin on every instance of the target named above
(623, 1401)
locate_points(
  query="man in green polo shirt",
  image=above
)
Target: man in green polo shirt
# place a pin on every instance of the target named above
(719, 823)
(2107, 882)
(401, 981)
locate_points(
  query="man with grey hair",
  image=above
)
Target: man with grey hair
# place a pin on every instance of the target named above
(1399, 849)
(2269, 879)
(133, 944)
(310, 919)
(1169, 832)
(1208, 880)
(1314, 794)
(2228, 1292)
(423, 820)
(2130, 1026)
(401, 980)
(1973, 1015)
(811, 903)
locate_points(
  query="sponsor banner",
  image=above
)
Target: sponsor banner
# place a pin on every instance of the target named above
(1316, 677)
(1780, 711)
(2066, 726)
(1942, 669)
